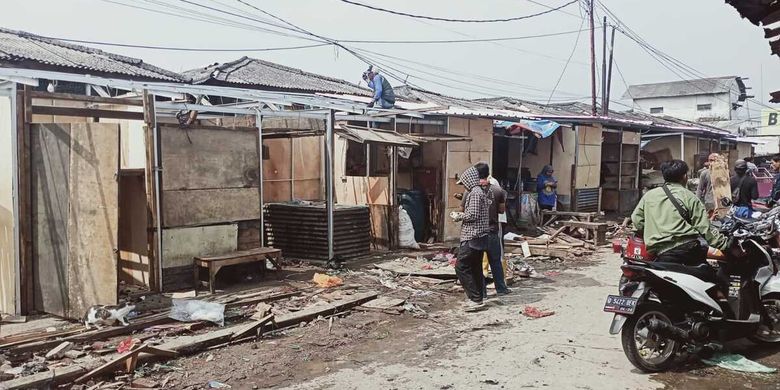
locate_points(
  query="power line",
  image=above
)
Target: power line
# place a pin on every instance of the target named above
(192, 49)
(472, 75)
(201, 17)
(565, 66)
(500, 39)
(655, 53)
(458, 20)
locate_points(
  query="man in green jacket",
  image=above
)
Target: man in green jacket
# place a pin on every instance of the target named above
(668, 234)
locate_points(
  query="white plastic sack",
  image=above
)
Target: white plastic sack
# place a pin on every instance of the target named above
(406, 230)
(187, 310)
(529, 210)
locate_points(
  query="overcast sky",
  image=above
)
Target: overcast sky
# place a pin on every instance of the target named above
(707, 35)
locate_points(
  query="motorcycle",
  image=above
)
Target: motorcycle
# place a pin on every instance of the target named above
(666, 308)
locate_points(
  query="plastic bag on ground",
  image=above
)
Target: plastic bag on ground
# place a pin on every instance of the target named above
(187, 310)
(736, 362)
(406, 231)
(326, 281)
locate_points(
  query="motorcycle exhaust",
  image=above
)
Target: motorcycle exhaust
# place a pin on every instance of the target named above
(668, 330)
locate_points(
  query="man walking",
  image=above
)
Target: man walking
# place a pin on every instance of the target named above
(474, 234)
(495, 251)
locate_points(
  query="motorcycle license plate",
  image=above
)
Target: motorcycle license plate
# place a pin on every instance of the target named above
(620, 305)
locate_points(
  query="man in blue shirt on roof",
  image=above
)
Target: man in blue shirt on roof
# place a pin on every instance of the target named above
(383, 91)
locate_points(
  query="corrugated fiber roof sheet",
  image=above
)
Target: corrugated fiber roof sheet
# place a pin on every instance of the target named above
(19, 46)
(712, 85)
(258, 73)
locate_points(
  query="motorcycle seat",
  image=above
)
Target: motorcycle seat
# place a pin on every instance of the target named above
(704, 272)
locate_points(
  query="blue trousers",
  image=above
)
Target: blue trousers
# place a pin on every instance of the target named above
(495, 253)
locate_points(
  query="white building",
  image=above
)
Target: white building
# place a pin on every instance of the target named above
(720, 100)
(712, 99)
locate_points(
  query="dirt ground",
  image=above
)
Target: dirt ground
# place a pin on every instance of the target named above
(433, 344)
(449, 349)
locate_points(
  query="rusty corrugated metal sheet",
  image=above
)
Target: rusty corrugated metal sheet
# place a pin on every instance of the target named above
(301, 232)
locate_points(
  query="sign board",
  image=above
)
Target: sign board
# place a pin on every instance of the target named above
(770, 122)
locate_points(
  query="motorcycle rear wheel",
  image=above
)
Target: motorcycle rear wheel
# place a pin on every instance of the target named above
(648, 351)
(764, 335)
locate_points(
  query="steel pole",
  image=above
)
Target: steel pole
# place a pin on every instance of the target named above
(259, 120)
(329, 179)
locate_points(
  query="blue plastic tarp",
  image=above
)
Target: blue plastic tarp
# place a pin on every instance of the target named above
(544, 128)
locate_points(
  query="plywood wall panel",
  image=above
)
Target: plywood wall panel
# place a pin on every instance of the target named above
(180, 245)
(50, 161)
(208, 158)
(277, 166)
(92, 224)
(201, 207)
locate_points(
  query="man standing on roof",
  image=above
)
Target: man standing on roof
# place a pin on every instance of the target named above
(383, 91)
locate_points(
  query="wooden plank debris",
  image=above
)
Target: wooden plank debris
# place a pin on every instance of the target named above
(45, 380)
(130, 359)
(255, 328)
(59, 351)
(400, 269)
(383, 303)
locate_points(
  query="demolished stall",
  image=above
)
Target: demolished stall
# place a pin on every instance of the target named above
(291, 174)
(198, 183)
(595, 158)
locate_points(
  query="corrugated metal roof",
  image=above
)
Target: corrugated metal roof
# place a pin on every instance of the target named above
(370, 135)
(18, 46)
(713, 85)
(258, 73)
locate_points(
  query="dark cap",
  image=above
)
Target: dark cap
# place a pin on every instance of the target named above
(740, 164)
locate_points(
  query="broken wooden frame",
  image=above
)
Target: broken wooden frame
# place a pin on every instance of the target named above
(254, 102)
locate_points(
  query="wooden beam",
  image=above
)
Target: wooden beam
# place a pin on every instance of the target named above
(86, 98)
(87, 112)
(155, 278)
(24, 117)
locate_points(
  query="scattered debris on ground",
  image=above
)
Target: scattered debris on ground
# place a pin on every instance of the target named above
(535, 313)
(165, 346)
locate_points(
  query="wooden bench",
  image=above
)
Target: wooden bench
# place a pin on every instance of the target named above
(598, 230)
(215, 263)
(553, 215)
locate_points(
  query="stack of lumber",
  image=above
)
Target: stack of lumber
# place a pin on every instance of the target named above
(301, 231)
(553, 243)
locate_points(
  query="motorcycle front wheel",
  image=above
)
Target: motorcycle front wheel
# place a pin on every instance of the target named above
(767, 334)
(646, 350)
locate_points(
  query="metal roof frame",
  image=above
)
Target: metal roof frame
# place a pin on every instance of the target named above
(270, 98)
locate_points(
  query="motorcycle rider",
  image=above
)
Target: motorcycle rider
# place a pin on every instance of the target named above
(673, 234)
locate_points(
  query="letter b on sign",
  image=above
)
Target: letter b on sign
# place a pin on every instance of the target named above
(772, 119)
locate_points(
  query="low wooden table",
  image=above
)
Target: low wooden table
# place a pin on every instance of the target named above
(554, 214)
(597, 229)
(215, 263)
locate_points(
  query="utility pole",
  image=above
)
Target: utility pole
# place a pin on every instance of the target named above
(609, 74)
(592, 59)
(604, 70)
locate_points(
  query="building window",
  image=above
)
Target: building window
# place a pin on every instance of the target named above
(656, 110)
(704, 107)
